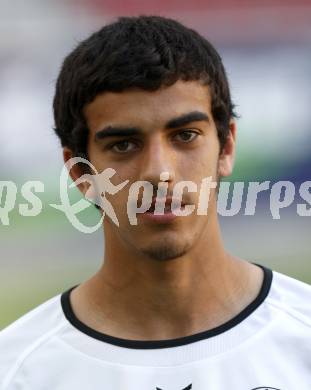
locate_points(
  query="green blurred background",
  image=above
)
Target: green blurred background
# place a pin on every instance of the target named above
(266, 50)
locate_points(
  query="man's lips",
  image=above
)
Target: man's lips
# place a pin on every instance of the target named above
(166, 203)
(166, 213)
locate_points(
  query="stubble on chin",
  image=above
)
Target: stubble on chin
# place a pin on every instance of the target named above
(166, 250)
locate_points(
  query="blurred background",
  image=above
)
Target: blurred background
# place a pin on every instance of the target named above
(265, 46)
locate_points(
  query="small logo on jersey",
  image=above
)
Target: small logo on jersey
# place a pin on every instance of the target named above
(255, 388)
(265, 388)
(185, 388)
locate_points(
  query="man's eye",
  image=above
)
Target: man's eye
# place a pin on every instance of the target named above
(122, 146)
(187, 135)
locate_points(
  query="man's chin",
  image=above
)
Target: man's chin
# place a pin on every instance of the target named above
(166, 250)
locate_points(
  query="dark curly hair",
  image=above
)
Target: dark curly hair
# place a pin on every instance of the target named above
(145, 52)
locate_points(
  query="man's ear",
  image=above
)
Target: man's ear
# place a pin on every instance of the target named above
(227, 155)
(76, 171)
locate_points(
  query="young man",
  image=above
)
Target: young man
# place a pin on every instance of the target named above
(169, 309)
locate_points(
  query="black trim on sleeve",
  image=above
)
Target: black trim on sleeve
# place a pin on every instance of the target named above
(155, 344)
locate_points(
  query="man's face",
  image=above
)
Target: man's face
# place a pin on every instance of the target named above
(188, 150)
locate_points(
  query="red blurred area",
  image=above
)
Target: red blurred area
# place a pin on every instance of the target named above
(139, 6)
(226, 21)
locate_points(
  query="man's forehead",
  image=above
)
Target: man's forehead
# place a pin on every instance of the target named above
(153, 107)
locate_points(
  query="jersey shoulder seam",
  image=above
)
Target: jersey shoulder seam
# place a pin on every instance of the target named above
(28, 351)
(290, 311)
(30, 315)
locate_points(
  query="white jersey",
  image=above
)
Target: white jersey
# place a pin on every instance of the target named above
(267, 346)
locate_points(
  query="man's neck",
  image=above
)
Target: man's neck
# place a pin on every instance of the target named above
(140, 299)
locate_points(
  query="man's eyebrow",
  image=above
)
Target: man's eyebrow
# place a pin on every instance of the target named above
(116, 131)
(185, 119)
(125, 131)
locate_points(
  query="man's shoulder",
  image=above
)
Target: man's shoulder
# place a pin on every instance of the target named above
(291, 296)
(28, 333)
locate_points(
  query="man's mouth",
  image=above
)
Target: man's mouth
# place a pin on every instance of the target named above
(167, 207)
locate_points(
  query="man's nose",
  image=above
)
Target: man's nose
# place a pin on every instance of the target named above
(158, 158)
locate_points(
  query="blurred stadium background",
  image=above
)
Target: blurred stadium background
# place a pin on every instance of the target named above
(265, 46)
